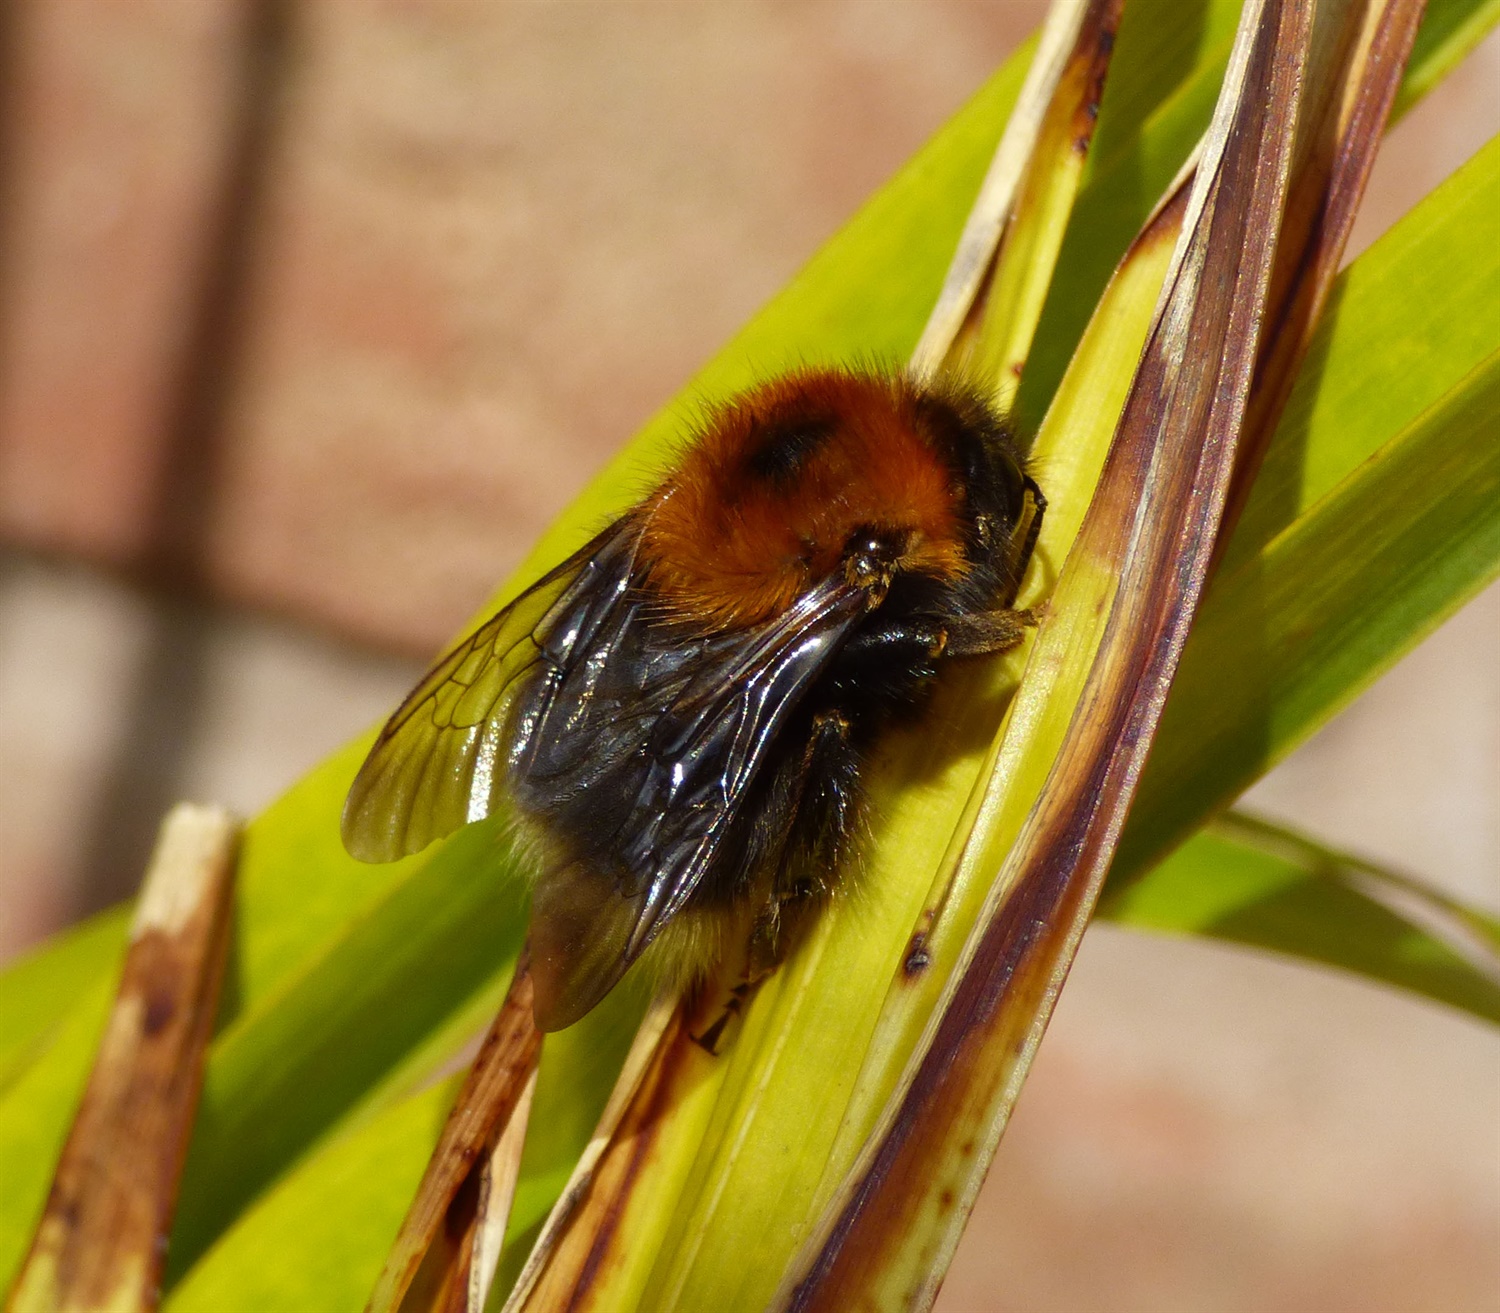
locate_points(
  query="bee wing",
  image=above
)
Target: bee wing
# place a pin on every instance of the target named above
(438, 763)
(591, 918)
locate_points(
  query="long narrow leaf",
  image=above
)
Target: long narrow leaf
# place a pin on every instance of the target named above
(1345, 557)
(1034, 236)
(433, 1260)
(1248, 882)
(1119, 618)
(1172, 57)
(99, 1244)
(995, 205)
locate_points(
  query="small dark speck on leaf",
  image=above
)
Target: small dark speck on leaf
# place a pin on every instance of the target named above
(918, 959)
(161, 1007)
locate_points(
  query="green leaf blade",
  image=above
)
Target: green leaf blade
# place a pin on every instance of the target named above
(1295, 633)
(1250, 883)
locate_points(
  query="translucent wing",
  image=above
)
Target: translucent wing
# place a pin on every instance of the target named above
(644, 767)
(439, 761)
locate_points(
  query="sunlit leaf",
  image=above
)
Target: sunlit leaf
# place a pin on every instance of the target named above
(1243, 880)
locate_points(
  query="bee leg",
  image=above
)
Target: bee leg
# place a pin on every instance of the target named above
(771, 944)
(989, 631)
(823, 803)
(1033, 527)
(827, 812)
(900, 643)
(768, 943)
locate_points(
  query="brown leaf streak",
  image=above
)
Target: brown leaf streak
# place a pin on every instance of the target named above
(102, 1238)
(1095, 47)
(440, 1284)
(585, 1256)
(428, 1266)
(1049, 84)
(917, 958)
(1320, 216)
(1070, 116)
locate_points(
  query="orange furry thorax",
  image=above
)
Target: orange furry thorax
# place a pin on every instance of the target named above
(766, 500)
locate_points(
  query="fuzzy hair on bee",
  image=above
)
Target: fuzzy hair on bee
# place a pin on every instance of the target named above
(681, 715)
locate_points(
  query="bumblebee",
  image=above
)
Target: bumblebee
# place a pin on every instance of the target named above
(679, 716)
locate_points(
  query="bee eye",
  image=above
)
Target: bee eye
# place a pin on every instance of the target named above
(1013, 477)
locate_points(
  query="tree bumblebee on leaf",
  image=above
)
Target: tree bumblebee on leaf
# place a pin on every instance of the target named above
(680, 714)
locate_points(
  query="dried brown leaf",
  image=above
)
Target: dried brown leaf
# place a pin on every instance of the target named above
(464, 1196)
(102, 1238)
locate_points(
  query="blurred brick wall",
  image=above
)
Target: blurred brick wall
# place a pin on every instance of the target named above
(330, 306)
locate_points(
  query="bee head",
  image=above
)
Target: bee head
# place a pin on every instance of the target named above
(823, 473)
